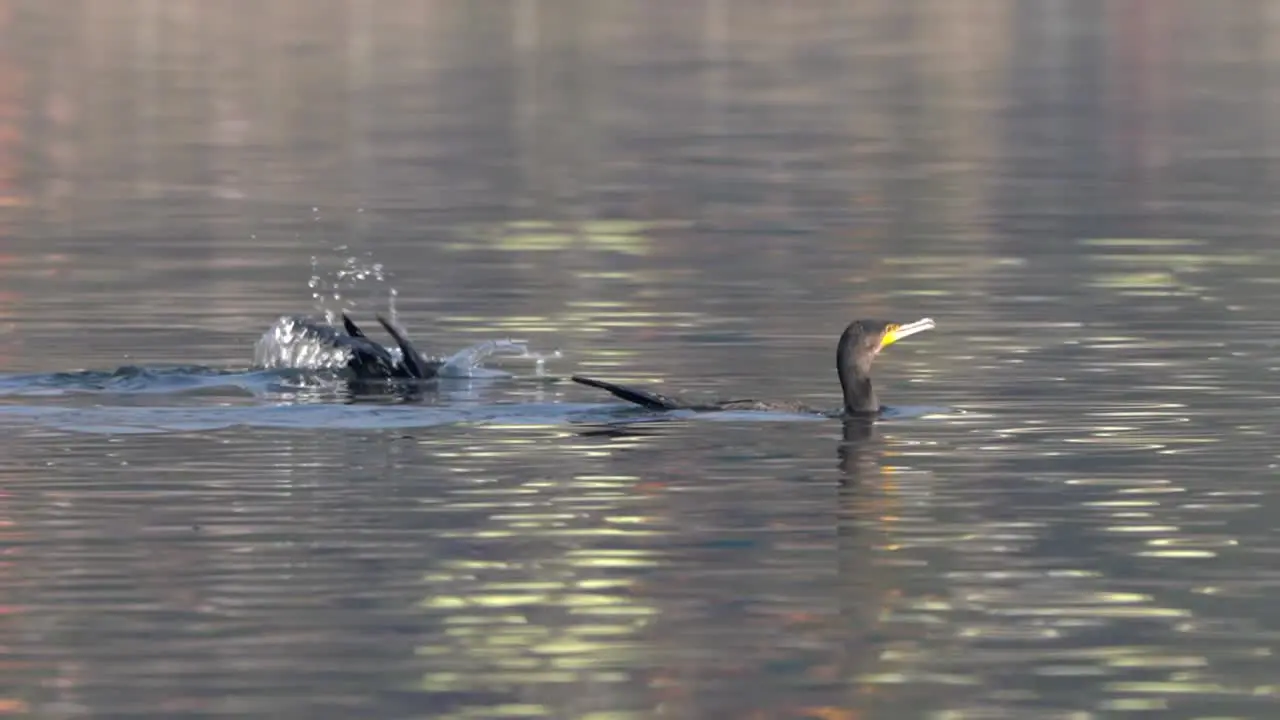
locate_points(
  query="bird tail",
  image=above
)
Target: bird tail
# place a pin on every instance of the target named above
(643, 398)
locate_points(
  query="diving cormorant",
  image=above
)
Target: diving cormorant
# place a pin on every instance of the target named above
(370, 361)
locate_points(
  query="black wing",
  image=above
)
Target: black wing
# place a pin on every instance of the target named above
(352, 329)
(367, 359)
(413, 360)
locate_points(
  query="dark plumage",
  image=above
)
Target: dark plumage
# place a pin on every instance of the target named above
(861, 341)
(370, 361)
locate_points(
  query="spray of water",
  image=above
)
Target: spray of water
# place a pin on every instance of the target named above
(333, 289)
(469, 362)
(297, 343)
(294, 343)
(301, 344)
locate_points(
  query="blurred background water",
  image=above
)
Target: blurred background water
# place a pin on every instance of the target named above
(693, 194)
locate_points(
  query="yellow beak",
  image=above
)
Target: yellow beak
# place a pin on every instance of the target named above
(894, 333)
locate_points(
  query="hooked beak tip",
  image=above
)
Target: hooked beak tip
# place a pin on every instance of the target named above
(907, 330)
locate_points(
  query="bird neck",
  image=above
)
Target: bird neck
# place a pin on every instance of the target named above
(855, 381)
(859, 395)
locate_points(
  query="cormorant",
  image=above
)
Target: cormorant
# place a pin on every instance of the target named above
(861, 341)
(370, 361)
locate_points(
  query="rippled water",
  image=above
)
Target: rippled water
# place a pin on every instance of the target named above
(1067, 518)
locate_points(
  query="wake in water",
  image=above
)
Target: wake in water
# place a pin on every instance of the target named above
(296, 359)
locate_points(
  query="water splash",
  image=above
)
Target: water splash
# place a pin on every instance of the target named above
(469, 362)
(302, 344)
(294, 342)
(333, 290)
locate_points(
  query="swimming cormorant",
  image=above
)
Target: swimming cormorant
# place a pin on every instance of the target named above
(861, 341)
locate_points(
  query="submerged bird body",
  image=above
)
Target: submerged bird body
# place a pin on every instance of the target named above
(861, 341)
(370, 361)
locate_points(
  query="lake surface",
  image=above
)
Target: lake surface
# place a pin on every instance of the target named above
(1069, 520)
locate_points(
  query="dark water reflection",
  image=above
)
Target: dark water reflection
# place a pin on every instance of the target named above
(694, 194)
